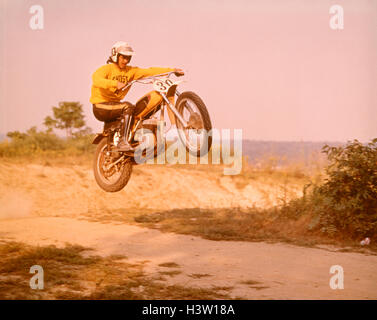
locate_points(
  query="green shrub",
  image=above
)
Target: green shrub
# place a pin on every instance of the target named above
(346, 203)
(31, 142)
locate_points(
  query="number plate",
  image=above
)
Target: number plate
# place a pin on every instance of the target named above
(162, 85)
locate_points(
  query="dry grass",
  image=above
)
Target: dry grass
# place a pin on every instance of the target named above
(57, 160)
(68, 274)
(235, 224)
(61, 268)
(226, 224)
(170, 273)
(199, 275)
(250, 282)
(254, 284)
(169, 265)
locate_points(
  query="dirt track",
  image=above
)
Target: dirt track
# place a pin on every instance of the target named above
(43, 205)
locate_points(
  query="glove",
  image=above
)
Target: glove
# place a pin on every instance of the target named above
(179, 72)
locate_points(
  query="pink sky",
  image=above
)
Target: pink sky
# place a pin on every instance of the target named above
(273, 68)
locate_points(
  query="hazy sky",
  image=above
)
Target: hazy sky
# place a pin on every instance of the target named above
(274, 68)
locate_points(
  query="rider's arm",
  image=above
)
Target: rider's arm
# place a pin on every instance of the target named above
(100, 79)
(139, 73)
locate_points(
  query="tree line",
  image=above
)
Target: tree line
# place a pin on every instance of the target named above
(69, 117)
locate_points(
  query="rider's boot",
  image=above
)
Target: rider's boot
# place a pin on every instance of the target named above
(124, 145)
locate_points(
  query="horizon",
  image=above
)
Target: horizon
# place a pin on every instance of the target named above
(62, 136)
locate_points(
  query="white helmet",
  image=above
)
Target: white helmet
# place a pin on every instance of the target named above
(121, 47)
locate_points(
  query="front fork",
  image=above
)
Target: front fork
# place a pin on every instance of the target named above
(173, 109)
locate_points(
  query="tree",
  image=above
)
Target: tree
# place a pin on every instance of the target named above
(16, 135)
(68, 116)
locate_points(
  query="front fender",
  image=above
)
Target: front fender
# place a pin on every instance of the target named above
(172, 89)
(98, 138)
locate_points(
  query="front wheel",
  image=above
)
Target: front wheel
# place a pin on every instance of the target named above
(110, 171)
(197, 135)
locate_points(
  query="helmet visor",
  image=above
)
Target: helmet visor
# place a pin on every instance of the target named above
(126, 51)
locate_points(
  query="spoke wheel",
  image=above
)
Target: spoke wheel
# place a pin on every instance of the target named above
(196, 136)
(111, 175)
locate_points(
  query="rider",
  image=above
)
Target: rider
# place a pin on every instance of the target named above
(108, 81)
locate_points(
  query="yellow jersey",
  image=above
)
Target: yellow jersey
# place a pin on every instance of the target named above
(105, 80)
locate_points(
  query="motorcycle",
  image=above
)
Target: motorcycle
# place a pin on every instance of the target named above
(113, 168)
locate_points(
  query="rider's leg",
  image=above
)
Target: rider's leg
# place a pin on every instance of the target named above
(149, 101)
(146, 103)
(124, 145)
(108, 111)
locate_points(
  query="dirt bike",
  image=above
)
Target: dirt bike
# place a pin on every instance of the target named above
(112, 168)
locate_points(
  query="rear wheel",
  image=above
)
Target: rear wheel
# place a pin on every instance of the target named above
(196, 136)
(112, 171)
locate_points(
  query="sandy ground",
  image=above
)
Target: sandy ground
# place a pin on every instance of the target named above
(71, 191)
(42, 205)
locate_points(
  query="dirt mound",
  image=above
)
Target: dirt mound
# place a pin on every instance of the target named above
(14, 204)
(72, 191)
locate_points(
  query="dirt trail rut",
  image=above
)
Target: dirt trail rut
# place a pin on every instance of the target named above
(277, 271)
